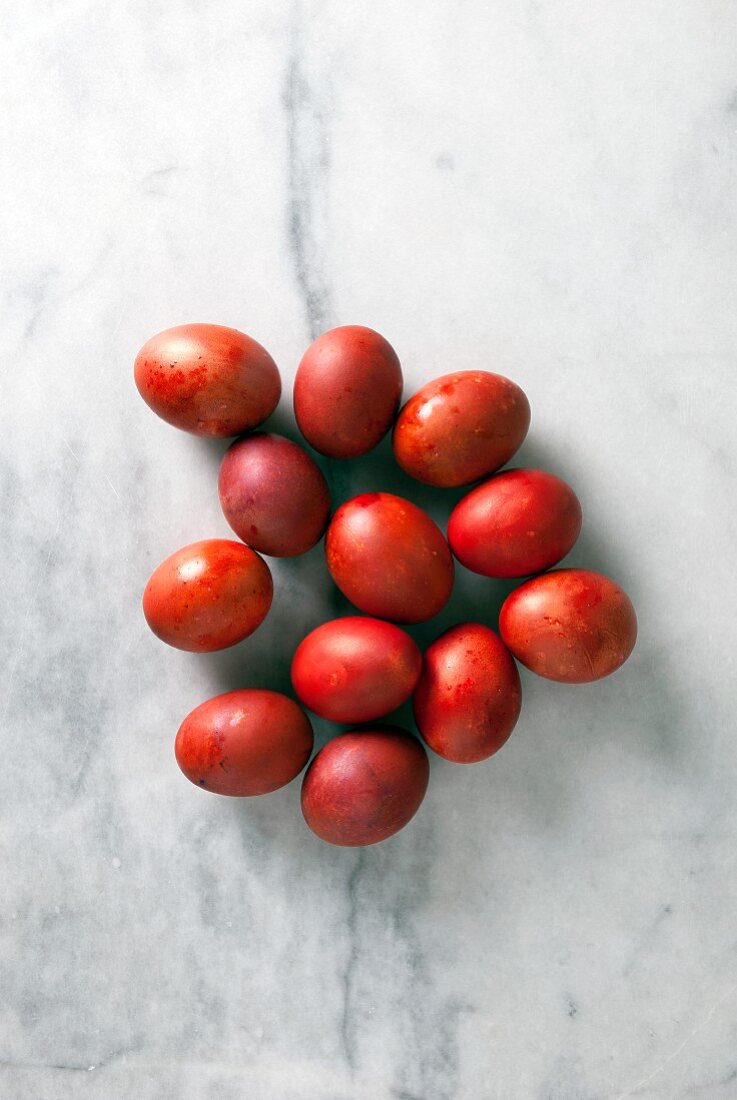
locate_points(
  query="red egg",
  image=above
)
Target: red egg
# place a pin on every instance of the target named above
(347, 391)
(362, 787)
(517, 523)
(570, 625)
(389, 558)
(355, 669)
(244, 743)
(468, 699)
(273, 495)
(208, 595)
(207, 379)
(461, 427)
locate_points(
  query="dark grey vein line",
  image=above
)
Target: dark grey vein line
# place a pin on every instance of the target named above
(307, 164)
(346, 1029)
(71, 1067)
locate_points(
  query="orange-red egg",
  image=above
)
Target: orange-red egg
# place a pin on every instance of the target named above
(389, 558)
(207, 379)
(208, 595)
(246, 742)
(461, 427)
(468, 699)
(355, 669)
(571, 625)
(517, 523)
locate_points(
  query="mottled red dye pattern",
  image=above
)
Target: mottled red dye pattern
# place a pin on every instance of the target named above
(355, 669)
(273, 495)
(450, 443)
(347, 391)
(518, 523)
(389, 558)
(208, 595)
(570, 625)
(468, 699)
(365, 786)
(244, 742)
(207, 379)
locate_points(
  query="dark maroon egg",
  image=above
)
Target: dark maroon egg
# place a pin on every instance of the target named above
(365, 786)
(273, 495)
(347, 391)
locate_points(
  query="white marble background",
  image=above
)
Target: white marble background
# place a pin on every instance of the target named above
(540, 187)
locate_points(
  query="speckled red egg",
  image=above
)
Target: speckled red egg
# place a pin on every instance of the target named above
(273, 495)
(365, 786)
(207, 379)
(208, 595)
(245, 742)
(355, 669)
(461, 427)
(468, 699)
(571, 625)
(347, 391)
(389, 558)
(517, 523)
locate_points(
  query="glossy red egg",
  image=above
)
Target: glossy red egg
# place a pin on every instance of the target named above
(461, 427)
(365, 786)
(273, 495)
(347, 391)
(207, 379)
(244, 742)
(389, 558)
(468, 699)
(208, 595)
(517, 523)
(355, 669)
(571, 625)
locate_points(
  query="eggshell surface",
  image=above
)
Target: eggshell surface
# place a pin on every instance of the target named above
(247, 742)
(355, 669)
(208, 595)
(389, 558)
(468, 699)
(207, 379)
(460, 427)
(347, 391)
(363, 787)
(571, 625)
(517, 523)
(273, 495)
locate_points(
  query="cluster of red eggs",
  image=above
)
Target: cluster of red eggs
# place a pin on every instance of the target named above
(388, 558)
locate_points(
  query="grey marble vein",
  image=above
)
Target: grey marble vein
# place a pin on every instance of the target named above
(308, 149)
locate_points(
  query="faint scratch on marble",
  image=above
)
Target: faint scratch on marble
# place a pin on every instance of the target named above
(681, 1047)
(107, 479)
(71, 450)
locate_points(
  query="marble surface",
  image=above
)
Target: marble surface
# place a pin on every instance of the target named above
(545, 188)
